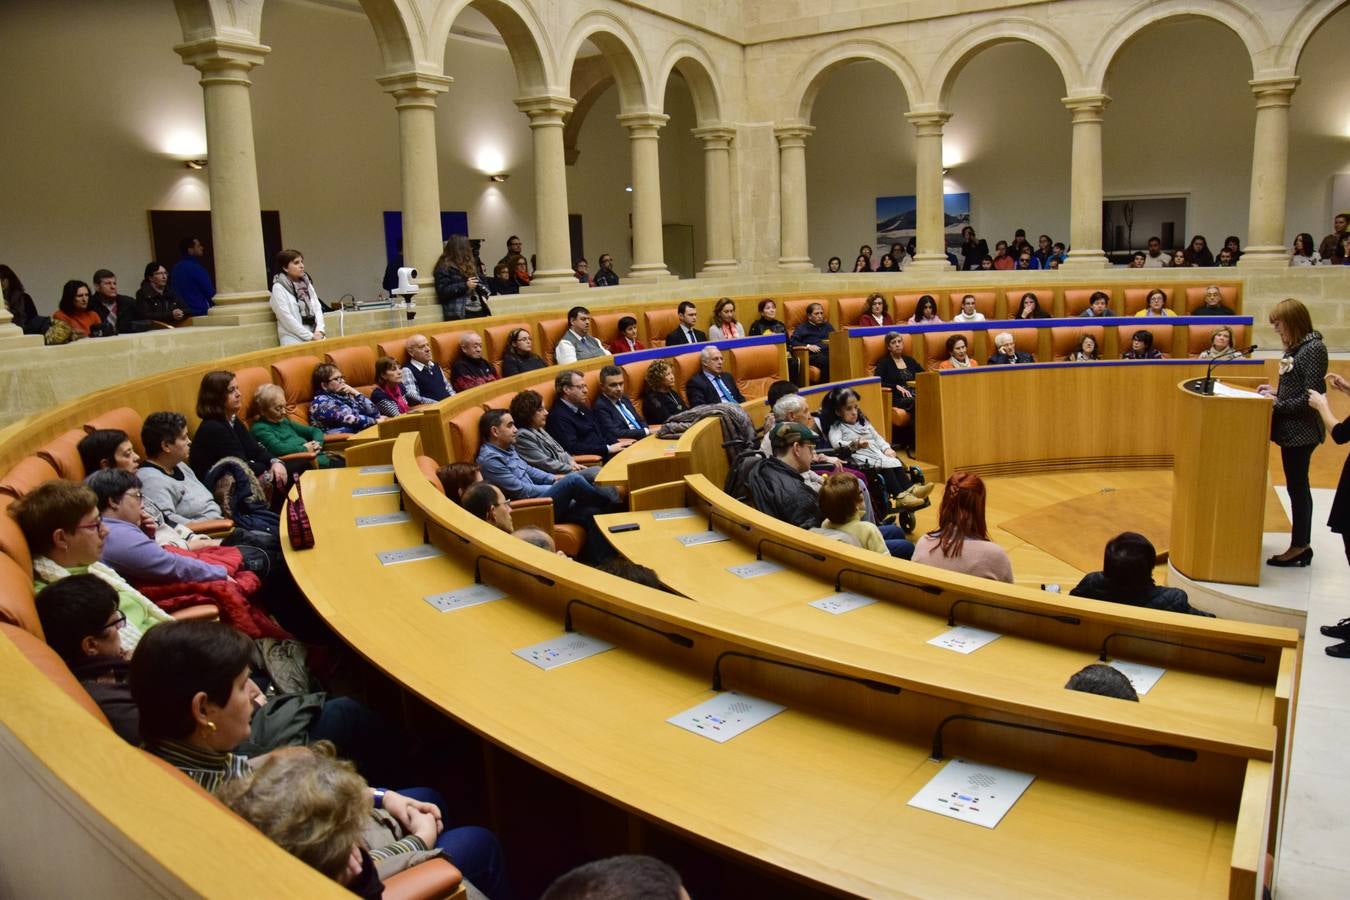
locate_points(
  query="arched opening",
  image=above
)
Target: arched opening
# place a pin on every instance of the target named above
(1177, 139)
(683, 211)
(1319, 132)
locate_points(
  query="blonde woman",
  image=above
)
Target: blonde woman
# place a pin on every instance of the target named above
(1221, 345)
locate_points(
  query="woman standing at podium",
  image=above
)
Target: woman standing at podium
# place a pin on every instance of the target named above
(1295, 426)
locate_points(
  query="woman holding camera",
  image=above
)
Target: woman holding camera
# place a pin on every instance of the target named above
(458, 289)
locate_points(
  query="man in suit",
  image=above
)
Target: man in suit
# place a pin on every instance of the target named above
(619, 419)
(572, 423)
(710, 384)
(686, 333)
(1006, 352)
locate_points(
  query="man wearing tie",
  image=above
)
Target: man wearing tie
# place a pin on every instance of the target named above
(686, 333)
(618, 417)
(572, 423)
(710, 384)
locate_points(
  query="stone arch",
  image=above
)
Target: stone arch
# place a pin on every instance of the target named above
(620, 48)
(813, 75)
(1237, 18)
(966, 45)
(392, 21)
(697, 68)
(220, 19)
(520, 29)
(1301, 30)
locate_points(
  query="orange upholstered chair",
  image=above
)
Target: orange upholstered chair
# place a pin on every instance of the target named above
(27, 474)
(1079, 299)
(1044, 296)
(635, 380)
(1027, 340)
(1199, 337)
(63, 453)
(494, 341)
(249, 379)
(905, 304)
(396, 348)
(357, 365)
(1136, 298)
(935, 347)
(16, 597)
(547, 337)
(123, 417)
(756, 368)
(1065, 339)
(295, 376)
(1162, 335)
(605, 325)
(463, 428)
(986, 302)
(659, 323)
(794, 314)
(1195, 297)
(849, 310)
(445, 347)
(12, 542)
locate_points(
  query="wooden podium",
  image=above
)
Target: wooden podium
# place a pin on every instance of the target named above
(1219, 475)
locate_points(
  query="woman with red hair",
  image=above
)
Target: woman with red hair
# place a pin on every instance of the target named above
(961, 542)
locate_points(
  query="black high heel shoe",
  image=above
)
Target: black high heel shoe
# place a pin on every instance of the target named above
(1302, 560)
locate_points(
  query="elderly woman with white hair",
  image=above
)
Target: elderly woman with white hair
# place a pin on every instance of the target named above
(281, 435)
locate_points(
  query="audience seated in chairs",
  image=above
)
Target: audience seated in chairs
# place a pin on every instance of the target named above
(485, 501)
(814, 335)
(1198, 252)
(968, 311)
(156, 301)
(17, 300)
(685, 332)
(710, 384)
(1086, 350)
(661, 399)
(458, 477)
(228, 459)
(337, 406)
(573, 424)
(534, 443)
(848, 431)
(576, 342)
(388, 396)
(842, 504)
(1030, 308)
(1099, 305)
(282, 436)
(925, 312)
(1212, 304)
(1155, 304)
(775, 483)
(1221, 345)
(76, 313)
(874, 312)
(724, 326)
(470, 370)
(896, 370)
(619, 419)
(1127, 577)
(961, 542)
(192, 687)
(65, 533)
(519, 355)
(501, 281)
(1141, 347)
(1006, 352)
(107, 448)
(1102, 679)
(767, 323)
(958, 354)
(627, 341)
(423, 380)
(117, 311)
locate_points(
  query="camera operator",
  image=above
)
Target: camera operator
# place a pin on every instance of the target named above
(459, 288)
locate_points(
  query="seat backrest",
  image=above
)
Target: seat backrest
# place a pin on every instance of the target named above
(550, 331)
(1195, 297)
(45, 660)
(1027, 340)
(686, 366)
(1162, 335)
(295, 375)
(428, 467)
(850, 309)
(635, 379)
(873, 349)
(1199, 337)
(905, 304)
(357, 365)
(1064, 339)
(605, 325)
(935, 347)
(16, 596)
(249, 379)
(63, 453)
(27, 474)
(1078, 299)
(1136, 298)
(12, 541)
(986, 302)
(794, 311)
(756, 368)
(394, 347)
(494, 341)
(445, 347)
(1045, 297)
(659, 322)
(123, 417)
(463, 428)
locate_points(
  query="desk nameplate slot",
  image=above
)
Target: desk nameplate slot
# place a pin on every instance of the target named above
(701, 537)
(377, 470)
(390, 518)
(376, 489)
(680, 512)
(408, 554)
(463, 598)
(561, 650)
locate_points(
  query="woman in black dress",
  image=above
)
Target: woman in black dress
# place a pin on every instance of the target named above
(519, 355)
(896, 370)
(222, 436)
(661, 400)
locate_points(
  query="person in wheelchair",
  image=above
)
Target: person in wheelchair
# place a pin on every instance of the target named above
(850, 434)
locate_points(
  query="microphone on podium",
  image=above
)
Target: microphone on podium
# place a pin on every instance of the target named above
(1205, 385)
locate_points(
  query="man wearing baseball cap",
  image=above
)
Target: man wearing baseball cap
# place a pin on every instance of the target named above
(776, 485)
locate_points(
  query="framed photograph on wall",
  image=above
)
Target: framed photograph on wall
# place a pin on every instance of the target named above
(896, 218)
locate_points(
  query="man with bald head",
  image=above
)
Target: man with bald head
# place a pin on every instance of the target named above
(471, 370)
(423, 380)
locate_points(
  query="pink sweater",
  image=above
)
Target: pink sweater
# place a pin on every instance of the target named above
(984, 559)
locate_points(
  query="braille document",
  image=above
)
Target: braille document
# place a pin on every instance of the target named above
(563, 649)
(1142, 677)
(464, 597)
(755, 569)
(963, 639)
(701, 537)
(679, 512)
(842, 602)
(725, 716)
(389, 518)
(972, 792)
(409, 554)
(377, 470)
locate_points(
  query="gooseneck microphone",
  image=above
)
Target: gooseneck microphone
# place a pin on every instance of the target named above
(1165, 751)
(1235, 654)
(1066, 619)
(672, 636)
(873, 684)
(1207, 386)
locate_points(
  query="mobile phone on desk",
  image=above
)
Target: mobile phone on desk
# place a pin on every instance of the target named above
(626, 526)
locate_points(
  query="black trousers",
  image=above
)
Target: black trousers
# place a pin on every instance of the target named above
(1296, 461)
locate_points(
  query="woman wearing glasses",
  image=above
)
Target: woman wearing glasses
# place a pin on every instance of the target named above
(337, 406)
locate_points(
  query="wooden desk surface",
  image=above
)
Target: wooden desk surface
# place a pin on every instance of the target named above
(615, 471)
(806, 792)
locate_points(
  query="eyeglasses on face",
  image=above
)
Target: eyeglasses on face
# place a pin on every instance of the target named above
(94, 525)
(118, 622)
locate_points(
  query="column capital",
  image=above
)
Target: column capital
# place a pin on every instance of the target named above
(714, 137)
(546, 109)
(221, 59)
(642, 124)
(1086, 107)
(1274, 91)
(412, 89)
(928, 122)
(792, 134)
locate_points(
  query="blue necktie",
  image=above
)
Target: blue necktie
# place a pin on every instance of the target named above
(720, 388)
(627, 416)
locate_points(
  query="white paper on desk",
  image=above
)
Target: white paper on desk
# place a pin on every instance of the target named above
(679, 512)
(1142, 677)
(755, 569)
(972, 792)
(725, 716)
(842, 602)
(1227, 390)
(463, 598)
(701, 537)
(964, 639)
(563, 649)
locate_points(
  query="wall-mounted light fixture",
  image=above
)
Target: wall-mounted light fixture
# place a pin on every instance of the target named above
(499, 177)
(945, 170)
(628, 188)
(197, 164)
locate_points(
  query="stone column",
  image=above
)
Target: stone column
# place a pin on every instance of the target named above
(553, 249)
(930, 229)
(11, 336)
(1266, 245)
(648, 253)
(415, 99)
(717, 198)
(1085, 206)
(792, 253)
(232, 175)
